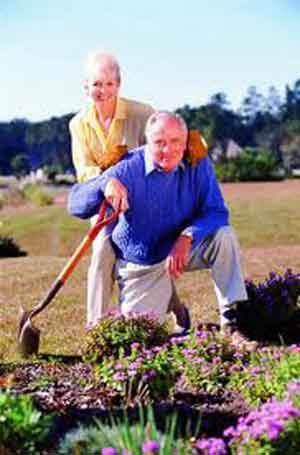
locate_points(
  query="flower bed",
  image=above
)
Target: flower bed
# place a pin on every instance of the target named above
(150, 393)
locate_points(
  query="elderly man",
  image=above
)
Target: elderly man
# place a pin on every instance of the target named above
(173, 220)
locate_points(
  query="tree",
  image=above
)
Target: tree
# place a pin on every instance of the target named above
(273, 102)
(20, 165)
(252, 105)
(291, 107)
(220, 100)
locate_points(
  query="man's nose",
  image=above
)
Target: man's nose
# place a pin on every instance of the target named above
(167, 148)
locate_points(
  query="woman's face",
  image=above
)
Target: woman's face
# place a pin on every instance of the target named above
(102, 84)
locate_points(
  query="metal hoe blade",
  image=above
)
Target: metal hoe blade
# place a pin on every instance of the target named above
(28, 336)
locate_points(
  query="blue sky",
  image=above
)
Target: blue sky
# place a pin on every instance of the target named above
(171, 52)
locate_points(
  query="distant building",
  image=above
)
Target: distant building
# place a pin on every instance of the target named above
(227, 150)
(233, 150)
(290, 150)
(37, 176)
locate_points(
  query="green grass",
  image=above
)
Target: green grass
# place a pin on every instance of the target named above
(259, 221)
(44, 231)
(267, 221)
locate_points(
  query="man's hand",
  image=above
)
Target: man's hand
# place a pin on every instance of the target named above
(178, 258)
(116, 194)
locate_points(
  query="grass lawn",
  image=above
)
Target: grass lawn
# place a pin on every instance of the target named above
(265, 215)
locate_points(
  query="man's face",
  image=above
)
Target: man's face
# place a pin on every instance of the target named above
(102, 84)
(167, 142)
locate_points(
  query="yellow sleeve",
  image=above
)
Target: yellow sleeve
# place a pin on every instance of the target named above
(85, 166)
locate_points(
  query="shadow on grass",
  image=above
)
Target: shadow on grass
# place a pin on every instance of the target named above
(57, 358)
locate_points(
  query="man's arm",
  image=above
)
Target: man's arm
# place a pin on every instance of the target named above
(213, 214)
(211, 208)
(85, 198)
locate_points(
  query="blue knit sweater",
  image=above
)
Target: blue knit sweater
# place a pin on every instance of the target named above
(162, 205)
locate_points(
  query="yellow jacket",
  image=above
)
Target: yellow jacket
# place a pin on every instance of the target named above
(90, 142)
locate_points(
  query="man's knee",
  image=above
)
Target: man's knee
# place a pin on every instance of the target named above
(223, 247)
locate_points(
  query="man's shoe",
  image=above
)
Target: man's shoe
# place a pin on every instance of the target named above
(182, 316)
(183, 321)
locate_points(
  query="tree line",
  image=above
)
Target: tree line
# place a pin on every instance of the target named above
(270, 123)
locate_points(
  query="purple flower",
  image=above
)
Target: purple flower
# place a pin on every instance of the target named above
(266, 422)
(275, 428)
(150, 447)
(293, 388)
(216, 360)
(294, 348)
(109, 451)
(157, 349)
(135, 365)
(255, 370)
(211, 446)
(119, 376)
(149, 375)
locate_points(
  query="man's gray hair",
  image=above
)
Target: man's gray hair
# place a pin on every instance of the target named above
(103, 59)
(165, 116)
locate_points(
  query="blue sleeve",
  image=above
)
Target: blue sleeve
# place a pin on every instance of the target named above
(212, 211)
(85, 198)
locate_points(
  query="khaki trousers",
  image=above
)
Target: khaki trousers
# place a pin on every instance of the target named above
(101, 277)
(100, 274)
(148, 288)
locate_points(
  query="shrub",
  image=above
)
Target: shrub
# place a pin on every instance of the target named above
(125, 437)
(272, 307)
(143, 376)
(23, 429)
(227, 172)
(36, 194)
(250, 165)
(272, 429)
(206, 360)
(115, 334)
(9, 248)
(268, 374)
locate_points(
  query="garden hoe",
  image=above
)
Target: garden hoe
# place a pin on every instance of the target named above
(29, 335)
